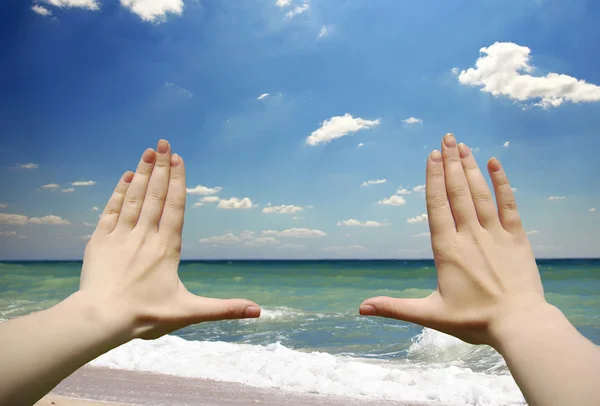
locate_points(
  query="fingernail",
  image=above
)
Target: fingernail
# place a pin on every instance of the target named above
(148, 156)
(175, 160)
(128, 177)
(252, 311)
(367, 310)
(463, 150)
(494, 165)
(449, 140)
(436, 156)
(163, 147)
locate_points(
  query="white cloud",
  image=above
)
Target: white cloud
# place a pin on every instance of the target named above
(83, 183)
(557, 198)
(247, 235)
(262, 241)
(87, 4)
(85, 237)
(6, 218)
(413, 120)
(593, 209)
(324, 31)
(3, 206)
(421, 218)
(41, 10)
(51, 186)
(177, 91)
(337, 127)
(506, 144)
(28, 166)
(403, 191)
(455, 71)
(235, 203)
(514, 189)
(425, 234)
(283, 209)
(262, 96)
(89, 224)
(210, 199)
(154, 10)
(203, 190)
(393, 200)
(360, 145)
(503, 69)
(270, 232)
(283, 3)
(94, 208)
(419, 188)
(198, 204)
(301, 232)
(228, 238)
(297, 218)
(475, 150)
(49, 219)
(297, 10)
(68, 190)
(8, 233)
(532, 232)
(373, 182)
(357, 223)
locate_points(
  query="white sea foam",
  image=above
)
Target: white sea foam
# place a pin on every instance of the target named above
(275, 366)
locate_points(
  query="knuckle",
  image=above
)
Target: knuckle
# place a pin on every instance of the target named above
(157, 194)
(482, 196)
(133, 201)
(509, 205)
(457, 191)
(501, 180)
(175, 204)
(437, 202)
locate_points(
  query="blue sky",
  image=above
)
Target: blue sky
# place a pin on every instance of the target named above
(296, 104)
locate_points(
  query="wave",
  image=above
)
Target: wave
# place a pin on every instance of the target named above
(276, 366)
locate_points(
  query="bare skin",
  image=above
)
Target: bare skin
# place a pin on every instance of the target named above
(129, 287)
(489, 287)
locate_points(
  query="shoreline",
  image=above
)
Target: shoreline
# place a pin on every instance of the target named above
(94, 386)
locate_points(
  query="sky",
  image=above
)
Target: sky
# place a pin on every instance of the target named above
(305, 125)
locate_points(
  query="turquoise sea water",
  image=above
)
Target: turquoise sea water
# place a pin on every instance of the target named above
(310, 336)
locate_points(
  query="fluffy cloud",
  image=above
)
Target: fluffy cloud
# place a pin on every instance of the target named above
(8, 233)
(514, 189)
(51, 186)
(262, 96)
(203, 190)
(283, 209)
(503, 69)
(357, 223)
(403, 191)
(337, 127)
(235, 203)
(373, 182)
(228, 238)
(263, 241)
(41, 10)
(29, 165)
(87, 4)
(301, 232)
(324, 31)
(360, 145)
(593, 209)
(6, 218)
(419, 188)
(50, 219)
(283, 3)
(425, 234)
(270, 232)
(83, 183)
(94, 208)
(506, 144)
(154, 10)
(393, 200)
(297, 10)
(421, 218)
(413, 120)
(68, 190)
(557, 198)
(532, 232)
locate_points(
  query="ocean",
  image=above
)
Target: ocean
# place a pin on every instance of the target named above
(310, 337)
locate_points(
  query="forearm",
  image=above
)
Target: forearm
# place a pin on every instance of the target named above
(39, 350)
(551, 361)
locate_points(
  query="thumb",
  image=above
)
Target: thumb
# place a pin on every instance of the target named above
(419, 311)
(208, 309)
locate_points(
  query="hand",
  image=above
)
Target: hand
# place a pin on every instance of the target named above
(487, 275)
(130, 264)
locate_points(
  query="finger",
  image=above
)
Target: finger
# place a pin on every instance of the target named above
(457, 187)
(154, 201)
(200, 309)
(110, 215)
(507, 206)
(441, 222)
(480, 192)
(420, 311)
(134, 198)
(171, 222)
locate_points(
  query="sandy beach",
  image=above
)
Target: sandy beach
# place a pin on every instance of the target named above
(91, 386)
